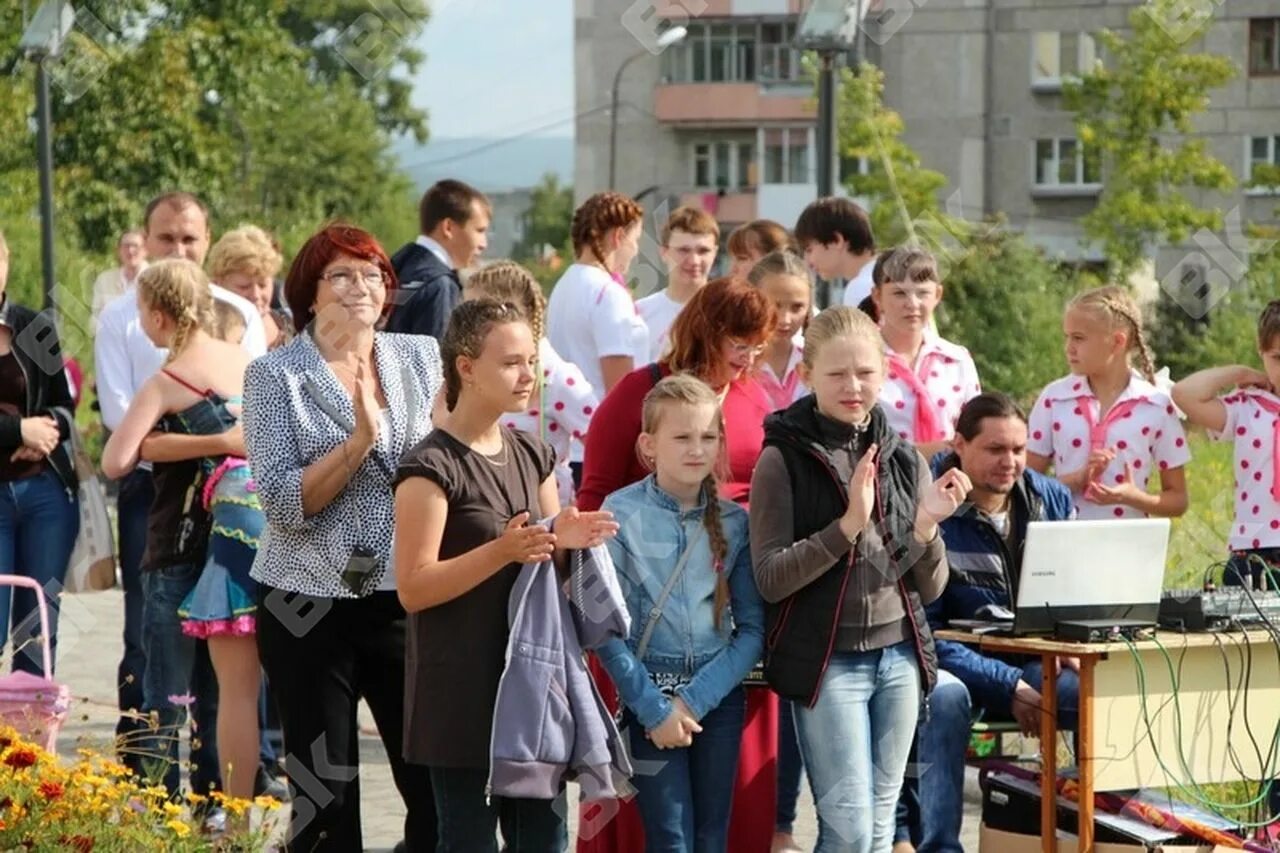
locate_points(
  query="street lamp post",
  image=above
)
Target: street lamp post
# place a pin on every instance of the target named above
(828, 27)
(43, 40)
(668, 38)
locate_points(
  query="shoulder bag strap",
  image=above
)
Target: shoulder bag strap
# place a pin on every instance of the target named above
(656, 613)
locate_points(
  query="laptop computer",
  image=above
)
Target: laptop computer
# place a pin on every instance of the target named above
(1077, 571)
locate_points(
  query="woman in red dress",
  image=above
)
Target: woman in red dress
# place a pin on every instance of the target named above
(716, 337)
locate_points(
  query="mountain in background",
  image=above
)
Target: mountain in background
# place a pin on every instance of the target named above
(488, 164)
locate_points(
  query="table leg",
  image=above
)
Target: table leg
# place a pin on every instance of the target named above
(1048, 754)
(1084, 746)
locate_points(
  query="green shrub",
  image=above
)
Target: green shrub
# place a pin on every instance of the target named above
(1003, 300)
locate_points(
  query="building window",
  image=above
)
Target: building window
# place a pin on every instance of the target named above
(733, 53)
(1056, 56)
(723, 165)
(1263, 151)
(1264, 46)
(786, 156)
(1061, 163)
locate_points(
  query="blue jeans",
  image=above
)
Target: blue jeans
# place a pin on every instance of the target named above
(943, 741)
(466, 823)
(790, 768)
(39, 521)
(133, 506)
(685, 795)
(178, 675)
(855, 741)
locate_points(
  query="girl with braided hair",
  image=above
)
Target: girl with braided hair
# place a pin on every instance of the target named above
(1106, 428)
(697, 620)
(591, 318)
(563, 402)
(206, 518)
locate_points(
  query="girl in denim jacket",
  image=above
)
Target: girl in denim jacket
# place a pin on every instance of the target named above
(683, 557)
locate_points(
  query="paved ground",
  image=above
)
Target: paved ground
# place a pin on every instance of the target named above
(89, 649)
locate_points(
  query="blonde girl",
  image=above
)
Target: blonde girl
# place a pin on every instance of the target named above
(561, 406)
(679, 675)
(784, 278)
(1105, 428)
(197, 565)
(847, 556)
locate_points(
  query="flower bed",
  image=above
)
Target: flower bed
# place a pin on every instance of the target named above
(94, 804)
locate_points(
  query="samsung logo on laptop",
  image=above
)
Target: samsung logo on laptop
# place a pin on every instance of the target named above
(1044, 573)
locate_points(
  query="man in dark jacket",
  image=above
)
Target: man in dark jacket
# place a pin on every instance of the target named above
(984, 542)
(454, 219)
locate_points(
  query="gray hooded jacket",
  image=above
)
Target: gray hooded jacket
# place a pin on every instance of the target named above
(549, 724)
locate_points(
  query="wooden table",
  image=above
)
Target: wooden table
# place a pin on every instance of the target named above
(1117, 750)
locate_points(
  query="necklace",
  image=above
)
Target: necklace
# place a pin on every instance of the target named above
(506, 456)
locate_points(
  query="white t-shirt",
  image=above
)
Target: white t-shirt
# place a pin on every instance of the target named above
(658, 312)
(589, 317)
(859, 287)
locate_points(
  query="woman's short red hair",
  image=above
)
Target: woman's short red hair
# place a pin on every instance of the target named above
(725, 308)
(318, 252)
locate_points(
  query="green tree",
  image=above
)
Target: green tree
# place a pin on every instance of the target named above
(1004, 300)
(222, 99)
(1134, 116)
(902, 191)
(548, 219)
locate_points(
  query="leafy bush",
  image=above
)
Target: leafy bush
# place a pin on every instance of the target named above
(1003, 300)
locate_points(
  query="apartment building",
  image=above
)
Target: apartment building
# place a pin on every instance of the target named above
(725, 119)
(722, 119)
(979, 86)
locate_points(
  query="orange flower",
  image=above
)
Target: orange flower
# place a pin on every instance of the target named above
(21, 757)
(51, 790)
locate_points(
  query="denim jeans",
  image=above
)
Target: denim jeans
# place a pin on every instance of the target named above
(943, 740)
(790, 767)
(39, 522)
(178, 675)
(133, 506)
(685, 795)
(855, 741)
(466, 823)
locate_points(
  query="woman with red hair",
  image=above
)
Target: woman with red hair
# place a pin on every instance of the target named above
(327, 418)
(716, 337)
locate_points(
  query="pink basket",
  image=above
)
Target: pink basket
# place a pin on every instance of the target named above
(36, 706)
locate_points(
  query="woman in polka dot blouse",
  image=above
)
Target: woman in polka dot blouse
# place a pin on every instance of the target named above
(929, 378)
(1104, 429)
(561, 409)
(1249, 417)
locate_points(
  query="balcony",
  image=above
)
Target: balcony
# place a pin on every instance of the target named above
(729, 104)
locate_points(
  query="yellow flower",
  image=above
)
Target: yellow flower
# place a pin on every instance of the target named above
(179, 828)
(172, 809)
(268, 803)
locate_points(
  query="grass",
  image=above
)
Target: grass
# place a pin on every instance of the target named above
(1199, 538)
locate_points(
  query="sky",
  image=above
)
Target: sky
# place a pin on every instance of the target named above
(497, 67)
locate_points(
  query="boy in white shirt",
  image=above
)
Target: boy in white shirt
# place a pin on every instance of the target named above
(690, 239)
(834, 235)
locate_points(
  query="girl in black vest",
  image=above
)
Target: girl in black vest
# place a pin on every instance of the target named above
(847, 554)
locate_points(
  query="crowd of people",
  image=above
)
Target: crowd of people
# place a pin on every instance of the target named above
(684, 549)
